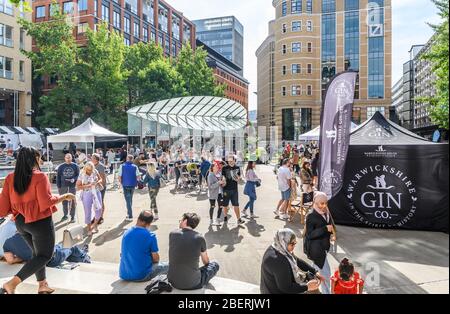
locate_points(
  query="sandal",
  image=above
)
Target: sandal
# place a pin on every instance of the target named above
(4, 291)
(46, 292)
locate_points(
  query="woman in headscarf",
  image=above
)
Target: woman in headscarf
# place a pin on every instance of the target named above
(284, 273)
(319, 232)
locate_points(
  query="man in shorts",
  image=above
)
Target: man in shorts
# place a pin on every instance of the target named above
(284, 185)
(231, 176)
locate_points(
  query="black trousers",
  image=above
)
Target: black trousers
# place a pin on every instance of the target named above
(40, 237)
(212, 205)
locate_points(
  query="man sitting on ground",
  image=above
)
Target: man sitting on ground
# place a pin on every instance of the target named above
(139, 258)
(185, 248)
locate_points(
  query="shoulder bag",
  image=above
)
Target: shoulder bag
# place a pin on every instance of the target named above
(72, 235)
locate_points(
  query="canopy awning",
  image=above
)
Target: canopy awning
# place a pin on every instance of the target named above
(195, 113)
(88, 132)
(314, 135)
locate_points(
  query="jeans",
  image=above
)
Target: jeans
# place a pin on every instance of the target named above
(64, 190)
(40, 237)
(250, 204)
(73, 255)
(128, 193)
(153, 192)
(208, 272)
(157, 269)
(326, 273)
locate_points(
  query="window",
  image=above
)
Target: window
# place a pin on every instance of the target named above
(309, 26)
(136, 30)
(284, 49)
(284, 8)
(22, 39)
(126, 25)
(283, 91)
(40, 12)
(296, 90)
(148, 11)
(95, 8)
(68, 7)
(6, 7)
(309, 71)
(309, 47)
(296, 69)
(116, 19)
(176, 27)
(372, 110)
(309, 90)
(54, 8)
(284, 70)
(82, 5)
(296, 26)
(6, 68)
(153, 36)
(296, 6)
(105, 13)
(131, 5)
(284, 28)
(126, 41)
(163, 18)
(309, 6)
(82, 28)
(296, 122)
(6, 36)
(22, 71)
(356, 115)
(296, 47)
(145, 33)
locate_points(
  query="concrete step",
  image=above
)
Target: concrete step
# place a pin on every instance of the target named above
(103, 278)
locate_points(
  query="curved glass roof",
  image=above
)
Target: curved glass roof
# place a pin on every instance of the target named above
(195, 112)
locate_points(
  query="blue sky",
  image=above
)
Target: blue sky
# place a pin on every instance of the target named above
(409, 27)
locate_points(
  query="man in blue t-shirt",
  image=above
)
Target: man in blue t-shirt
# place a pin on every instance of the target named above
(139, 258)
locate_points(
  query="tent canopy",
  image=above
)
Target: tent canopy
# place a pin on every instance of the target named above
(88, 132)
(380, 131)
(195, 113)
(314, 135)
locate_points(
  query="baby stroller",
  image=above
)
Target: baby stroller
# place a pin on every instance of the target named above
(189, 176)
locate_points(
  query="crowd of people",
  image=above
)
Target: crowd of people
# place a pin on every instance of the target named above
(27, 197)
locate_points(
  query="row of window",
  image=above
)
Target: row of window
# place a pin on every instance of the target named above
(296, 26)
(297, 90)
(296, 47)
(231, 78)
(296, 7)
(235, 90)
(296, 68)
(7, 39)
(6, 69)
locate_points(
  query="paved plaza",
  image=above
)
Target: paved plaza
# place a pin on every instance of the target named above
(405, 261)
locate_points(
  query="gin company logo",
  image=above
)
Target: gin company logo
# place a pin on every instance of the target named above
(381, 151)
(382, 196)
(330, 179)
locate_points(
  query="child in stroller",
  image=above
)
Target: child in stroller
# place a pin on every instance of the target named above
(190, 173)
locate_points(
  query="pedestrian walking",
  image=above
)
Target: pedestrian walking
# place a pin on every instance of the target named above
(153, 180)
(252, 182)
(284, 185)
(214, 193)
(66, 179)
(128, 177)
(101, 169)
(232, 174)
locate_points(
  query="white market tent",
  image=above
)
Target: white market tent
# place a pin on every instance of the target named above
(314, 135)
(88, 132)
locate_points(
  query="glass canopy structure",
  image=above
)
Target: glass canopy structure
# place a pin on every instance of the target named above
(195, 113)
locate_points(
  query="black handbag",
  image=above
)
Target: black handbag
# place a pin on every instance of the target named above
(258, 184)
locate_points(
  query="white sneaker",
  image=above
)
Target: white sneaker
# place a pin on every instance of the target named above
(244, 213)
(253, 216)
(128, 219)
(216, 222)
(277, 213)
(155, 217)
(211, 222)
(285, 217)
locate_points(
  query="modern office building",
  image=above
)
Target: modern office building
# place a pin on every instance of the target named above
(229, 74)
(15, 68)
(313, 40)
(137, 20)
(225, 35)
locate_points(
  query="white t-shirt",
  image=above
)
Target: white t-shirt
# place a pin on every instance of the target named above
(111, 156)
(284, 174)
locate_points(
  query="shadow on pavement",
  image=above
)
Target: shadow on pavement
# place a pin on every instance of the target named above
(255, 229)
(224, 237)
(112, 234)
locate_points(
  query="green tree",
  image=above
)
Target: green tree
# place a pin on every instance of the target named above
(138, 58)
(102, 79)
(198, 77)
(55, 56)
(160, 80)
(439, 57)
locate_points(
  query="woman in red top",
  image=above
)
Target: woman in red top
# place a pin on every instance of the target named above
(346, 280)
(27, 195)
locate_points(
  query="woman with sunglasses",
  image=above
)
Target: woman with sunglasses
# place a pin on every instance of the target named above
(284, 273)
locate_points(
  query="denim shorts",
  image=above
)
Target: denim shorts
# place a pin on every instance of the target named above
(286, 195)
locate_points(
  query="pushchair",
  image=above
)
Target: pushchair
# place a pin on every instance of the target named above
(189, 176)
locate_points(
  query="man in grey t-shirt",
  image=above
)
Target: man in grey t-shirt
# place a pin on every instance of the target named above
(186, 246)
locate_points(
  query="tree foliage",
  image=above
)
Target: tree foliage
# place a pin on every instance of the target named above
(104, 78)
(439, 57)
